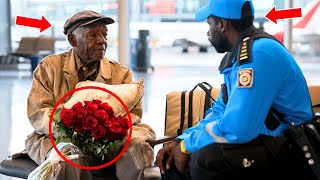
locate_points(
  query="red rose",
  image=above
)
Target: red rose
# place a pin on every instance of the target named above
(86, 103)
(92, 108)
(116, 127)
(77, 105)
(90, 123)
(122, 134)
(101, 115)
(93, 124)
(107, 108)
(78, 126)
(96, 101)
(123, 122)
(67, 117)
(108, 123)
(110, 136)
(80, 113)
(98, 133)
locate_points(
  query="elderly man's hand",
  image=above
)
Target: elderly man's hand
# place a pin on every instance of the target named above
(164, 156)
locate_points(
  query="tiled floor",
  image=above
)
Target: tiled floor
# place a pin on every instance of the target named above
(173, 71)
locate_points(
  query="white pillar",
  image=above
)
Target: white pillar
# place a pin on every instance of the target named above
(5, 119)
(5, 28)
(288, 27)
(123, 33)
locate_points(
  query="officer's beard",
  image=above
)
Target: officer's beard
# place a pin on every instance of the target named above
(221, 44)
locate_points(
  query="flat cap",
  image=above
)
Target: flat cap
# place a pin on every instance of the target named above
(84, 18)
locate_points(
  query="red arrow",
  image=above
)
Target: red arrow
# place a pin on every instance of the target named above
(273, 15)
(43, 24)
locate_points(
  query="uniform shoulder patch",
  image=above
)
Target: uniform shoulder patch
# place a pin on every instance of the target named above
(244, 51)
(245, 78)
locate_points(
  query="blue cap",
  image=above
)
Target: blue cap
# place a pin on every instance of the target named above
(226, 9)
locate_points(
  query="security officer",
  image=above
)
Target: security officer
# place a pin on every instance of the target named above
(242, 135)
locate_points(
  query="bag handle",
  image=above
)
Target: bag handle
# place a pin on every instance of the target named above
(207, 102)
(206, 83)
(190, 112)
(202, 84)
(208, 94)
(183, 102)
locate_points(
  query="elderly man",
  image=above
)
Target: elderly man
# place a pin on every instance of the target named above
(58, 74)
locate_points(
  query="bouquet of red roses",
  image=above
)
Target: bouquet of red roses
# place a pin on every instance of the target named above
(93, 127)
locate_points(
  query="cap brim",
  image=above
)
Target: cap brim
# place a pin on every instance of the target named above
(104, 20)
(203, 13)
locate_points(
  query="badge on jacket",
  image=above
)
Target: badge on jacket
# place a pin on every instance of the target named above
(245, 78)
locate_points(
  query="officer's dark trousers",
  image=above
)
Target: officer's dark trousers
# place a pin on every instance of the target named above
(263, 158)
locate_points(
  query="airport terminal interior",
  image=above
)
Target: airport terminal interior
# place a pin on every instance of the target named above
(178, 54)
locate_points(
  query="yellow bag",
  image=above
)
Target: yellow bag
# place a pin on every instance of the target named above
(180, 114)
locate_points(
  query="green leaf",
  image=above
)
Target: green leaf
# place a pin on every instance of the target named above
(111, 148)
(90, 148)
(69, 132)
(56, 116)
(58, 140)
(117, 146)
(67, 140)
(83, 148)
(98, 150)
(62, 130)
(103, 146)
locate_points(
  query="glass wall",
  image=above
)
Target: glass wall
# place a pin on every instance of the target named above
(169, 22)
(190, 6)
(159, 7)
(57, 11)
(170, 10)
(4, 28)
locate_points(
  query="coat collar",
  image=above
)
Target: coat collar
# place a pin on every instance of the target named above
(70, 69)
(228, 59)
(105, 70)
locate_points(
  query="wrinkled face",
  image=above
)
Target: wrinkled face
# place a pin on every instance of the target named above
(90, 42)
(216, 36)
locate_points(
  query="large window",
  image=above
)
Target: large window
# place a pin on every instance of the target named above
(190, 6)
(167, 20)
(4, 29)
(159, 7)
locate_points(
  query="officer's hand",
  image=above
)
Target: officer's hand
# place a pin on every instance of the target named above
(180, 159)
(162, 159)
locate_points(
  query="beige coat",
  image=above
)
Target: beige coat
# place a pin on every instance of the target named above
(54, 77)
